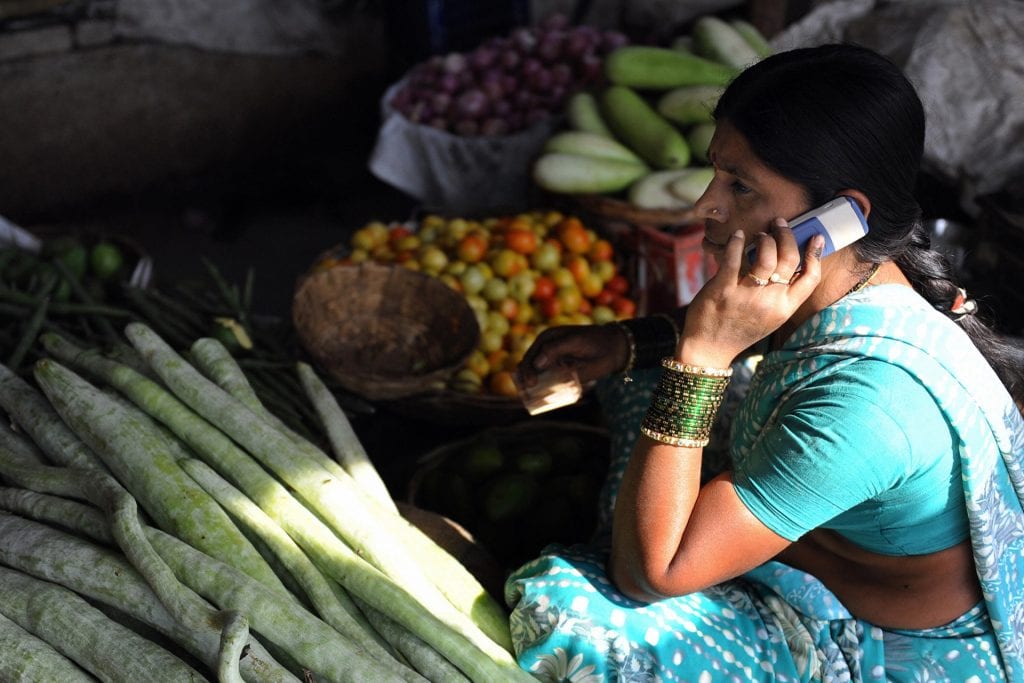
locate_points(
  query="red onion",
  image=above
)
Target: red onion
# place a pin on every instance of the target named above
(506, 82)
(549, 49)
(561, 74)
(454, 62)
(510, 60)
(524, 39)
(472, 104)
(482, 58)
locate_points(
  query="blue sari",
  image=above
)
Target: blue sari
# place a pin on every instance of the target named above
(569, 623)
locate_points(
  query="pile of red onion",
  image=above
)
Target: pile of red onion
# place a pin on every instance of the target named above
(507, 83)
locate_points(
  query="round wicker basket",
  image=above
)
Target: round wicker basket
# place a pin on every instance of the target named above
(610, 209)
(384, 332)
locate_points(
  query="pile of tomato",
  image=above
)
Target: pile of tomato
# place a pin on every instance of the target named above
(520, 273)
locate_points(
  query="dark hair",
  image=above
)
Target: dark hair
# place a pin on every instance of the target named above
(841, 116)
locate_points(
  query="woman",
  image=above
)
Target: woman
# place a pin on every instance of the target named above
(869, 525)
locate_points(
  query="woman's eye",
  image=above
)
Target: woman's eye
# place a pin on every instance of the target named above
(739, 188)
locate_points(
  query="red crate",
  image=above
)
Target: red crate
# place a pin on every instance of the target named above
(668, 266)
(659, 250)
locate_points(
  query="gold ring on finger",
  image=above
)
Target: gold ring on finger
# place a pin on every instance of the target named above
(759, 281)
(777, 279)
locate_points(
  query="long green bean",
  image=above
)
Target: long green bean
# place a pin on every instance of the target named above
(106, 577)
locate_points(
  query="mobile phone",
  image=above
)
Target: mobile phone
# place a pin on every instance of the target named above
(840, 221)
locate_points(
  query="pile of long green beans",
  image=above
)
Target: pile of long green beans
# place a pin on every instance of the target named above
(152, 511)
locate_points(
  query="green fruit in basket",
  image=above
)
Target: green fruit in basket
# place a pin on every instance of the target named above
(76, 259)
(482, 460)
(509, 496)
(535, 462)
(106, 260)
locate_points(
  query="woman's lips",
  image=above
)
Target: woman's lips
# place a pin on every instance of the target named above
(712, 245)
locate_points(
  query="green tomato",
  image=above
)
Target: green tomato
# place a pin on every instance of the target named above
(106, 260)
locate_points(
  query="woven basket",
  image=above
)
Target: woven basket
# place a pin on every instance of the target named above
(612, 210)
(443, 483)
(384, 332)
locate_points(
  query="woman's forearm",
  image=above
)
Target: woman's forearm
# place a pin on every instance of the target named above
(659, 489)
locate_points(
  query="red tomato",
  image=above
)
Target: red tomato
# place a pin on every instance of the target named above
(601, 250)
(624, 307)
(472, 248)
(521, 241)
(398, 233)
(544, 288)
(573, 235)
(618, 284)
(550, 308)
(604, 297)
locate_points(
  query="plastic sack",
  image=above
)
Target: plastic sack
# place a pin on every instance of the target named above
(966, 60)
(456, 174)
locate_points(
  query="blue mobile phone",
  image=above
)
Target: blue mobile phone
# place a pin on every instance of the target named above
(840, 221)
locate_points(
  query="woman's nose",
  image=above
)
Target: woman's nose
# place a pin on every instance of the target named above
(707, 208)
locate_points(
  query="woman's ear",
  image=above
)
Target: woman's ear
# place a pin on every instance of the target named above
(862, 200)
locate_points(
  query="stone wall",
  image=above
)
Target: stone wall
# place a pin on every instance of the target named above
(87, 114)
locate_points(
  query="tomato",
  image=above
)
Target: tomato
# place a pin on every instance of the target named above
(550, 308)
(563, 277)
(501, 383)
(602, 314)
(521, 241)
(573, 235)
(507, 263)
(601, 250)
(604, 297)
(606, 269)
(579, 267)
(398, 233)
(472, 248)
(591, 285)
(624, 307)
(491, 341)
(508, 307)
(618, 284)
(546, 257)
(569, 298)
(544, 288)
(498, 360)
(477, 362)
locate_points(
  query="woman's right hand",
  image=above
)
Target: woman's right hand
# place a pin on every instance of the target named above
(593, 351)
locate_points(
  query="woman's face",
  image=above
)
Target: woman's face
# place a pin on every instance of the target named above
(744, 194)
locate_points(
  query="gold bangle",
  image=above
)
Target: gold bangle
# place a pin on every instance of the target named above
(674, 440)
(698, 370)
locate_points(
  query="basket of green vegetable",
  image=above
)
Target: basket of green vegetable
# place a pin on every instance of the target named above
(517, 487)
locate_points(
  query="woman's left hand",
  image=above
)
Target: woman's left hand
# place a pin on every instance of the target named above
(740, 306)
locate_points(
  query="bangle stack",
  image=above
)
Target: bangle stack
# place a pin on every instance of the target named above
(684, 404)
(649, 339)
